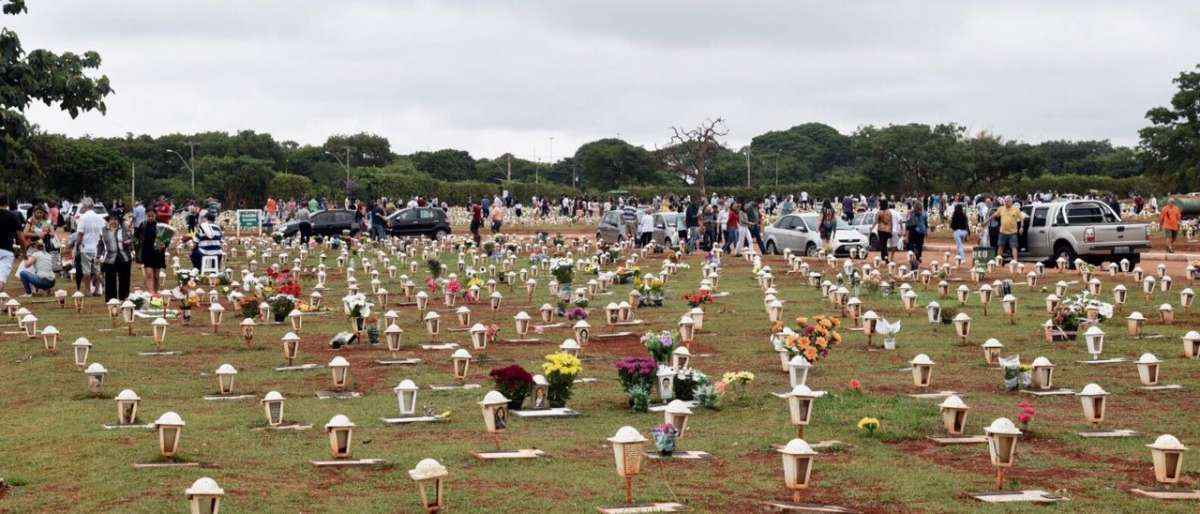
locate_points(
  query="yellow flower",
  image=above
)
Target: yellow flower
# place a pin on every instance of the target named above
(563, 364)
(868, 424)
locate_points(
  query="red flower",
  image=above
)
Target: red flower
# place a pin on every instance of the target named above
(855, 385)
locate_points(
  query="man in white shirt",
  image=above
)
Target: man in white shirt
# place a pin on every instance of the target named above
(645, 228)
(89, 228)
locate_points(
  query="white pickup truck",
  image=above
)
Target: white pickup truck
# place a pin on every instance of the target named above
(1088, 229)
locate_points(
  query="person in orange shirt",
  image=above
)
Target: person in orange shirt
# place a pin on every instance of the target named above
(1168, 220)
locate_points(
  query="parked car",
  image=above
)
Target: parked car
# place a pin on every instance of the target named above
(864, 223)
(331, 223)
(1087, 229)
(618, 224)
(666, 228)
(419, 221)
(798, 233)
(74, 213)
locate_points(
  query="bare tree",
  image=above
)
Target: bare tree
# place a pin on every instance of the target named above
(691, 151)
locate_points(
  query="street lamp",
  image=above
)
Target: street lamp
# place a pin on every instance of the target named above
(190, 163)
(344, 164)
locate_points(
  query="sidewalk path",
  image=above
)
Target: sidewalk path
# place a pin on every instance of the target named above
(1147, 256)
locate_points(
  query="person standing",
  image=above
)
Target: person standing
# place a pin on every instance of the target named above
(303, 223)
(1168, 220)
(958, 223)
(1009, 219)
(645, 228)
(116, 256)
(753, 225)
(476, 221)
(89, 227)
(827, 224)
(883, 229)
(153, 251)
(209, 242)
(10, 230)
(917, 226)
(691, 220)
(497, 217)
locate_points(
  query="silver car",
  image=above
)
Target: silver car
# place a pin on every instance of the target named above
(798, 233)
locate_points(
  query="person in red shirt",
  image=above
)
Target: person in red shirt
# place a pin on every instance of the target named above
(1169, 221)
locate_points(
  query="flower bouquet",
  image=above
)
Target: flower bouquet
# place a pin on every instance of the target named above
(651, 288)
(814, 338)
(435, 268)
(660, 345)
(698, 298)
(625, 274)
(357, 308)
(281, 304)
(635, 372)
(514, 383)
(687, 381)
(560, 370)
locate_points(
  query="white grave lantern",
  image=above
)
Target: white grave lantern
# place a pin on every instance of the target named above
(341, 434)
(96, 375)
(697, 315)
(1052, 301)
(800, 404)
(954, 414)
(29, 323)
(494, 407)
(291, 346)
(422, 301)
(248, 331)
(478, 336)
(985, 297)
(273, 407)
(933, 313)
(547, 312)
(462, 362)
(339, 369)
(1120, 294)
(1186, 298)
(216, 313)
(870, 320)
(170, 431)
(582, 331)
(570, 347)
(963, 292)
(681, 357)
(296, 318)
(1147, 366)
(393, 335)
(797, 466)
(160, 332)
(430, 475)
(991, 350)
(666, 383)
(495, 299)
(1042, 373)
(1010, 308)
(962, 326)
(406, 396)
(225, 375)
(127, 406)
(464, 316)
(1002, 437)
(687, 326)
(677, 414)
(1166, 313)
(1167, 453)
(798, 368)
(204, 496)
(82, 346)
(433, 324)
(627, 454)
(1095, 341)
(1092, 397)
(1134, 323)
(522, 321)
(775, 310)
(922, 370)
(1191, 344)
(50, 338)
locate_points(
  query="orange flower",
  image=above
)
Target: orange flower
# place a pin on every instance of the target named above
(802, 320)
(837, 338)
(810, 354)
(837, 322)
(777, 327)
(822, 342)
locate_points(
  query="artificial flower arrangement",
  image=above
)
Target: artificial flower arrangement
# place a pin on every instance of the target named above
(563, 270)
(869, 425)
(635, 372)
(688, 381)
(248, 306)
(698, 298)
(356, 306)
(560, 370)
(738, 380)
(813, 339)
(1016, 375)
(651, 288)
(577, 313)
(514, 383)
(625, 274)
(282, 304)
(141, 299)
(435, 268)
(665, 437)
(1026, 415)
(186, 276)
(660, 345)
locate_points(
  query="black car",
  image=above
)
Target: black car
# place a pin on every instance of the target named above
(324, 223)
(419, 221)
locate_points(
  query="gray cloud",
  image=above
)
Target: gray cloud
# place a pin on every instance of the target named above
(493, 77)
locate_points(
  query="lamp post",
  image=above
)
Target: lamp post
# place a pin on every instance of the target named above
(190, 163)
(344, 164)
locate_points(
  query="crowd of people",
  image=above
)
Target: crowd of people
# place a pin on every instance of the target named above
(98, 247)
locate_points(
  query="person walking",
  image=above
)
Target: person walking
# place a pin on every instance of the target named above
(917, 226)
(88, 229)
(10, 231)
(827, 224)
(731, 229)
(958, 223)
(1168, 220)
(883, 230)
(497, 216)
(116, 257)
(476, 221)
(753, 225)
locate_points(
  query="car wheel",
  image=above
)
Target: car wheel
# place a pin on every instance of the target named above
(771, 250)
(1063, 249)
(439, 234)
(810, 250)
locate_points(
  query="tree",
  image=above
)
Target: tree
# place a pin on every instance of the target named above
(610, 163)
(237, 181)
(1172, 141)
(365, 149)
(804, 152)
(74, 168)
(43, 76)
(446, 164)
(908, 158)
(690, 151)
(287, 185)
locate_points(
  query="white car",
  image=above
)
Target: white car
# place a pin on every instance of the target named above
(798, 233)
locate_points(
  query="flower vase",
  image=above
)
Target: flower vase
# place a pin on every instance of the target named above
(889, 343)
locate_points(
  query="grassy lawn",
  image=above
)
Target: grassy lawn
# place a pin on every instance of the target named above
(59, 457)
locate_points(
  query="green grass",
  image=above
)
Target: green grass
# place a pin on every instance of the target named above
(58, 458)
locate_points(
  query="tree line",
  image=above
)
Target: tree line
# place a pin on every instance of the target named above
(244, 168)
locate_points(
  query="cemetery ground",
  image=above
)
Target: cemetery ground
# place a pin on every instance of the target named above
(57, 456)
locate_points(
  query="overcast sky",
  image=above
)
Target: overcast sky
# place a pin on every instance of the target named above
(491, 77)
